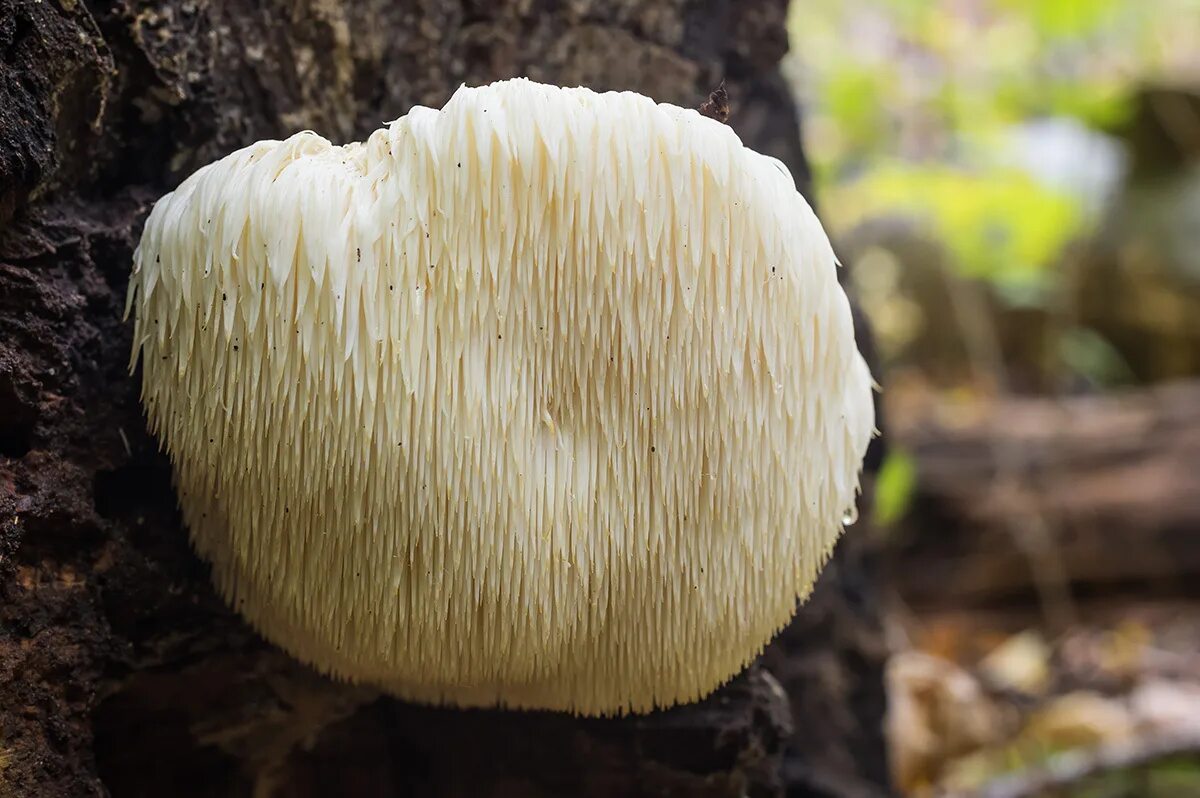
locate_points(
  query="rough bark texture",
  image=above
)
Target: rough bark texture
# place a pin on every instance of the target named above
(120, 671)
(1105, 491)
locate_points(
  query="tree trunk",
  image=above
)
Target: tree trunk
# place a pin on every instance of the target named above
(121, 673)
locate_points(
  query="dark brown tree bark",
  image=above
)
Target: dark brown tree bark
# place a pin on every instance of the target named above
(120, 671)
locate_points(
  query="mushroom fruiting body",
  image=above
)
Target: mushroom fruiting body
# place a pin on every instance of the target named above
(546, 399)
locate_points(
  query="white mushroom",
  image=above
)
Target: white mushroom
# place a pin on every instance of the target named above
(546, 399)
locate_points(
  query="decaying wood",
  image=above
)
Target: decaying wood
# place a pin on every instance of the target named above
(1113, 481)
(120, 672)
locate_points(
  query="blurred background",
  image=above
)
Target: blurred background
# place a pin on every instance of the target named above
(1013, 187)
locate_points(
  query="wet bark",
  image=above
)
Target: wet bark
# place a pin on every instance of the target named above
(120, 671)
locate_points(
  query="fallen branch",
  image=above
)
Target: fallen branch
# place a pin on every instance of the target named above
(1072, 768)
(1113, 476)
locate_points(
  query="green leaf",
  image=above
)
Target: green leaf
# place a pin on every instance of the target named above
(1087, 353)
(894, 487)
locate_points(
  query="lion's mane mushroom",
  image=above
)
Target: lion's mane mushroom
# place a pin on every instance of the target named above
(547, 399)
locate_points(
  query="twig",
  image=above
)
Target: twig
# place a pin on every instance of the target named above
(1069, 769)
(1035, 539)
(717, 105)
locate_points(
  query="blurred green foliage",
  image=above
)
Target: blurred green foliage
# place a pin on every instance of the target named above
(998, 224)
(909, 103)
(1084, 351)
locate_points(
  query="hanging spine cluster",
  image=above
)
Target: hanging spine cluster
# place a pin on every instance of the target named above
(548, 399)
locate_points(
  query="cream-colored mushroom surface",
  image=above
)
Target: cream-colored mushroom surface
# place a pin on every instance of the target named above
(548, 399)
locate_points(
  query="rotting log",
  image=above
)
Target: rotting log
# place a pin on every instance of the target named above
(1104, 488)
(120, 671)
